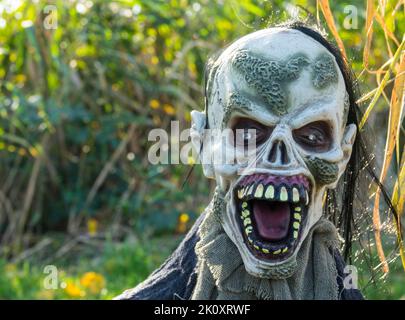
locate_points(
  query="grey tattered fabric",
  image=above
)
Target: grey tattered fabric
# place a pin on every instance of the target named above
(222, 275)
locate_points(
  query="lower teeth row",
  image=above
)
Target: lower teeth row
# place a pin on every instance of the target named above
(247, 223)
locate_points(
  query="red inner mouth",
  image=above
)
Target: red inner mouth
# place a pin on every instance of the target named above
(272, 219)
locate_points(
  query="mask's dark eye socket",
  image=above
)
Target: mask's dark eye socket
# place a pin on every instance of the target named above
(315, 136)
(247, 131)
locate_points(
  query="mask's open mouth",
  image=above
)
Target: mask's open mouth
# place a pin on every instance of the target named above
(272, 211)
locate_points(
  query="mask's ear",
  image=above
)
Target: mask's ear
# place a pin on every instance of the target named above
(198, 123)
(349, 136)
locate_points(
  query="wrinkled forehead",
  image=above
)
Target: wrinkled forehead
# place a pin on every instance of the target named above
(279, 70)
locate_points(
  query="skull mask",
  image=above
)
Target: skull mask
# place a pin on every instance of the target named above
(288, 88)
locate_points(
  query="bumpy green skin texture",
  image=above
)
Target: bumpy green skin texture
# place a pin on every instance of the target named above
(324, 71)
(324, 172)
(234, 100)
(269, 77)
(218, 206)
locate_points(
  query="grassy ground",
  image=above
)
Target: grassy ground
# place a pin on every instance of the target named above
(392, 286)
(89, 271)
(86, 272)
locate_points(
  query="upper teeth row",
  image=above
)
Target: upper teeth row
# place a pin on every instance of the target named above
(268, 192)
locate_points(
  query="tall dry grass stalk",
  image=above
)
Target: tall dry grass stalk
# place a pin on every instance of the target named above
(391, 70)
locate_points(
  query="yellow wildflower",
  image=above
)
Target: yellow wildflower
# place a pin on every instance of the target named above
(92, 226)
(154, 104)
(169, 109)
(20, 78)
(93, 281)
(182, 223)
(154, 60)
(73, 290)
(34, 152)
(184, 218)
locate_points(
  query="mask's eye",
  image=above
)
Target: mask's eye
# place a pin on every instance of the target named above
(247, 131)
(315, 136)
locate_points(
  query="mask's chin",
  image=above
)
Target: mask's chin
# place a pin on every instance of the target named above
(272, 213)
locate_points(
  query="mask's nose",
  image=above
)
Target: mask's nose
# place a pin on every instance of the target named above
(279, 151)
(278, 154)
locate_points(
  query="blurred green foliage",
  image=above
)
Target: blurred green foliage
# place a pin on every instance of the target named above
(81, 85)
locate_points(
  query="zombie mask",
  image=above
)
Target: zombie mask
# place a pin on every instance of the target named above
(288, 89)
